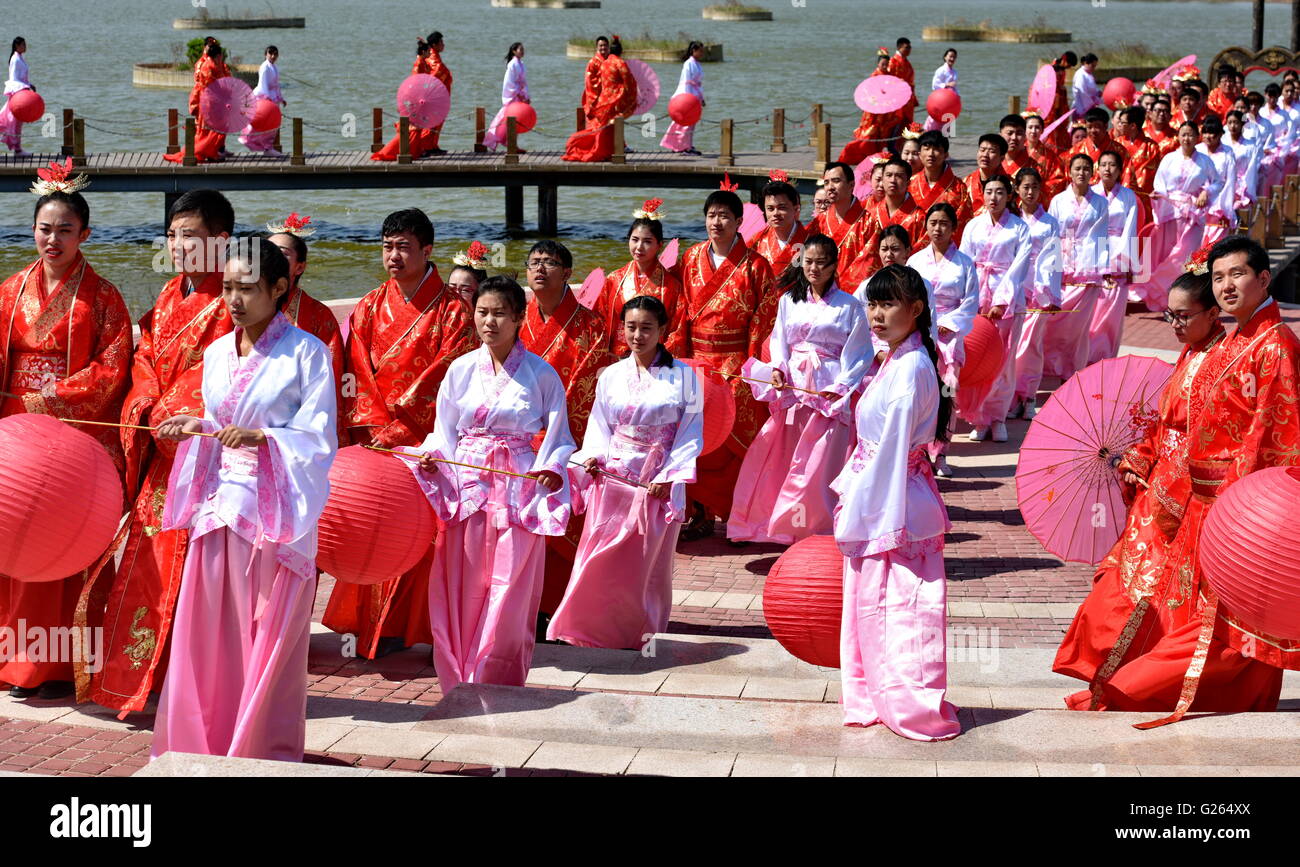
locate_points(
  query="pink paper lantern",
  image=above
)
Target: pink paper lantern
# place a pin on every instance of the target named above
(943, 104)
(1118, 93)
(719, 406)
(266, 115)
(60, 499)
(984, 352)
(685, 109)
(1250, 551)
(27, 106)
(803, 600)
(377, 523)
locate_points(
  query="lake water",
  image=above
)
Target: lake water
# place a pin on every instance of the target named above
(351, 56)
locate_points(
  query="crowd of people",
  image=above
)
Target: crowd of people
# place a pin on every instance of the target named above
(563, 447)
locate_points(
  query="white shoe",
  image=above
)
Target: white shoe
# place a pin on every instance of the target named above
(1031, 409)
(273, 152)
(1016, 409)
(941, 468)
(979, 435)
(999, 432)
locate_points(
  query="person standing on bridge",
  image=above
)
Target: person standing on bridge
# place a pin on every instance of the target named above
(618, 93)
(591, 78)
(682, 138)
(514, 88)
(420, 141)
(268, 87)
(889, 526)
(438, 69)
(875, 132)
(209, 145)
(402, 338)
(65, 350)
(11, 128)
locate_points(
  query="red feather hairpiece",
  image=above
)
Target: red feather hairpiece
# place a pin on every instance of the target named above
(727, 184)
(649, 210)
(292, 225)
(476, 257)
(778, 175)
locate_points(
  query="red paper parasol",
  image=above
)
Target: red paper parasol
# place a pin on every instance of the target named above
(227, 105)
(647, 85)
(1042, 93)
(1066, 484)
(424, 99)
(881, 94)
(1166, 75)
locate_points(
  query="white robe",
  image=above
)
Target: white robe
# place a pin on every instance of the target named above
(18, 79)
(1084, 234)
(1179, 180)
(268, 83)
(1000, 252)
(1225, 163)
(1121, 226)
(1044, 284)
(690, 79)
(945, 76)
(515, 85)
(1247, 156)
(1085, 92)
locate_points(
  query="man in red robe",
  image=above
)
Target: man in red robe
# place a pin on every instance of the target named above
(936, 181)
(988, 163)
(781, 240)
(65, 351)
(1097, 141)
(860, 250)
(1226, 91)
(843, 207)
(1243, 417)
(901, 67)
(591, 80)
(135, 606)
(438, 70)
(730, 313)
(402, 338)
(1158, 128)
(617, 98)
(574, 341)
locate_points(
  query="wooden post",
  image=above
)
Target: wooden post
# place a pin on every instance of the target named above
(778, 131)
(1258, 222)
(69, 115)
(514, 210)
(548, 221)
(191, 131)
(1013, 104)
(816, 122)
(579, 120)
(1243, 220)
(1257, 26)
(377, 131)
(726, 154)
(404, 141)
(480, 129)
(823, 154)
(79, 141)
(277, 138)
(512, 151)
(173, 130)
(1273, 231)
(297, 158)
(1291, 198)
(620, 143)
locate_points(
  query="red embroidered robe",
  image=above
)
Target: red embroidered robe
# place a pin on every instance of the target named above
(767, 245)
(830, 223)
(625, 284)
(860, 250)
(946, 189)
(398, 351)
(64, 351)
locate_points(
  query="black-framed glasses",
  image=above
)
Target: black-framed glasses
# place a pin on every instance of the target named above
(1178, 318)
(548, 264)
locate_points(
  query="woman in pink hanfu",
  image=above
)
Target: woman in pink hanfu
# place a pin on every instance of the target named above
(1186, 185)
(997, 241)
(1042, 292)
(250, 497)
(644, 434)
(1122, 211)
(486, 582)
(1083, 216)
(953, 294)
(820, 344)
(889, 525)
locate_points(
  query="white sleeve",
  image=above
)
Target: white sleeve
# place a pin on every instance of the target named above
(689, 439)
(557, 445)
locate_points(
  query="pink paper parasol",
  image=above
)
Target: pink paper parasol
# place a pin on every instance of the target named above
(668, 258)
(1066, 484)
(880, 94)
(647, 85)
(424, 99)
(1166, 75)
(752, 221)
(1047, 130)
(589, 291)
(227, 105)
(1042, 93)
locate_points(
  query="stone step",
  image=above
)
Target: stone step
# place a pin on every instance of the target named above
(192, 765)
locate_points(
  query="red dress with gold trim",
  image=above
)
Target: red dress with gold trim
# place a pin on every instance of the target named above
(730, 314)
(137, 604)
(64, 352)
(625, 284)
(398, 351)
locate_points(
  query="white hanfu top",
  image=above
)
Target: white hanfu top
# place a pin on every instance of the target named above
(489, 419)
(1179, 180)
(691, 78)
(646, 425)
(1085, 92)
(887, 493)
(277, 491)
(953, 287)
(1044, 285)
(1000, 251)
(268, 83)
(515, 85)
(1221, 206)
(18, 79)
(1085, 243)
(1121, 227)
(945, 76)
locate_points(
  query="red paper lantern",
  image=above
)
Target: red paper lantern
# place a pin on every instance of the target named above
(266, 115)
(943, 104)
(803, 600)
(60, 498)
(719, 406)
(685, 109)
(27, 106)
(1118, 93)
(377, 523)
(984, 354)
(1250, 551)
(525, 118)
